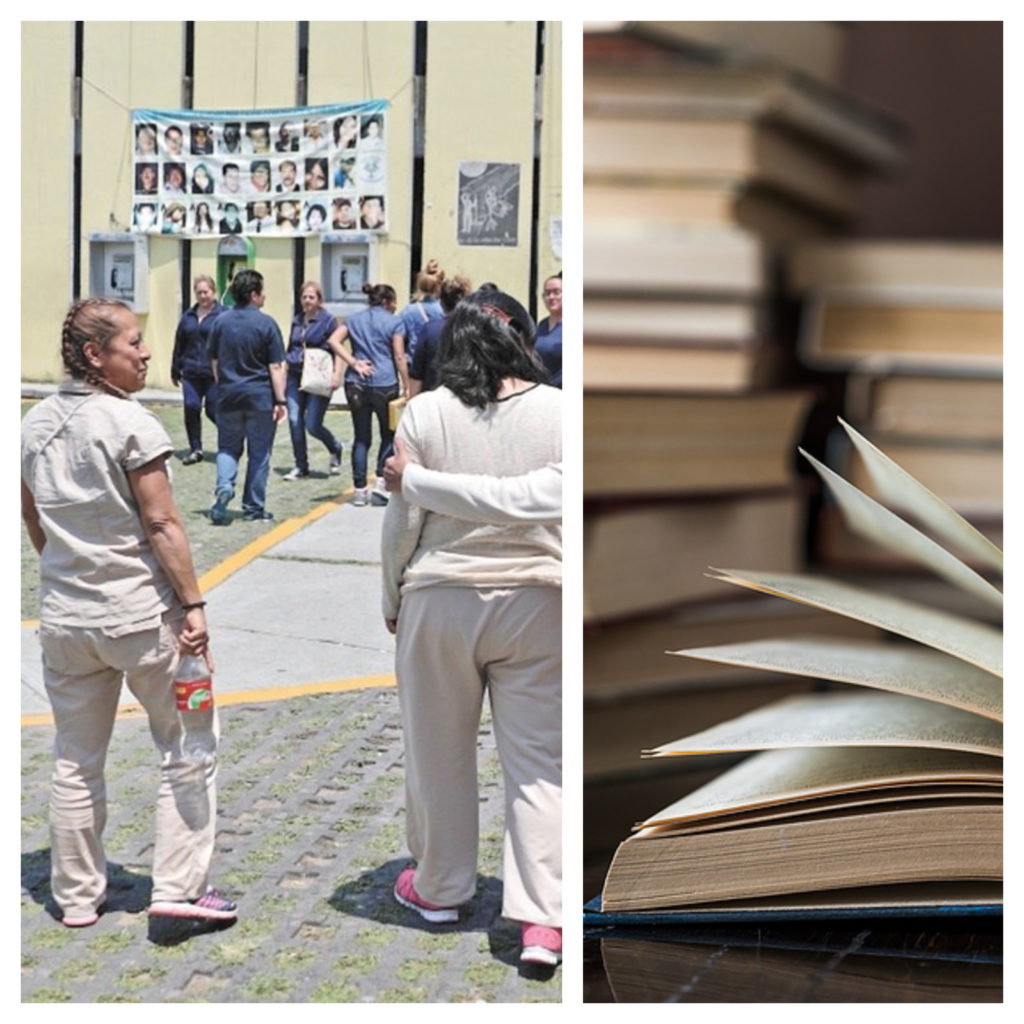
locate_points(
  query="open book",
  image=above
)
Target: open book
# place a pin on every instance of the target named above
(883, 793)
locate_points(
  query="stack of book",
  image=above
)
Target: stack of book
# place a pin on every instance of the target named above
(703, 166)
(917, 329)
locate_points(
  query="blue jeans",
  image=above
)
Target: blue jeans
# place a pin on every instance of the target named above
(252, 430)
(364, 403)
(194, 392)
(306, 413)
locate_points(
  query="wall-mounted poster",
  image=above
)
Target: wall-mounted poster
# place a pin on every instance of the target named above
(284, 172)
(488, 204)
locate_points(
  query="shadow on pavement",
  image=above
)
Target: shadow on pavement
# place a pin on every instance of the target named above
(127, 890)
(167, 931)
(371, 896)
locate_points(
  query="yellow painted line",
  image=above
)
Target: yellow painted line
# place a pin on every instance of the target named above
(218, 574)
(258, 696)
(241, 558)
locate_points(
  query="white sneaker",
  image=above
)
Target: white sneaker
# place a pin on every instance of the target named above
(361, 496)
(380, 495)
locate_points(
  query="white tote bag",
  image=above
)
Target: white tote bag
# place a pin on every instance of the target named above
(317, 371)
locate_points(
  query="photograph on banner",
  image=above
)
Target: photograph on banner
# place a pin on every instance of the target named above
(227, 172)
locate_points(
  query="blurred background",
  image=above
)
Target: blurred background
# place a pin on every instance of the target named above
(784, 222)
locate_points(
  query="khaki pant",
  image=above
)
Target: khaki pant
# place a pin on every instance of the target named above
(83, 670)
(452, 644)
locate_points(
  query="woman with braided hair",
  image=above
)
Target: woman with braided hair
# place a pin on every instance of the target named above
(119, 601)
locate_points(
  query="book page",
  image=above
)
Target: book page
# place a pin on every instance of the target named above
(891, 799)
(899, 489)
(898, 668)
(874, 521)
(800, 773)
(850, 720)
(966, 639)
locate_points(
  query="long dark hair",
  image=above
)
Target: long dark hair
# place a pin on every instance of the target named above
(488, 337)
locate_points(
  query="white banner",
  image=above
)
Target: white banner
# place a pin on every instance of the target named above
(283, 172)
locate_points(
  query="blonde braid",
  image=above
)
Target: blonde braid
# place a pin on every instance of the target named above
(89, 320)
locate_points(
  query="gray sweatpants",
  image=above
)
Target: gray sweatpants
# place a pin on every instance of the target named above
(83, 669)
(453, 643)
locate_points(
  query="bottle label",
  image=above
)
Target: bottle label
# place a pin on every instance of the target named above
(193, 694)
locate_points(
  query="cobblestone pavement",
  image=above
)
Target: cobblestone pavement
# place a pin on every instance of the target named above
(310, 840)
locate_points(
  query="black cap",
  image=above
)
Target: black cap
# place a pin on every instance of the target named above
(506, 309)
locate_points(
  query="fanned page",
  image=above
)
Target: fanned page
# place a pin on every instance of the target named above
(776, 777)
(899, 668)
(965, 639)
(845, 720)
(867, 517)
(899, 489)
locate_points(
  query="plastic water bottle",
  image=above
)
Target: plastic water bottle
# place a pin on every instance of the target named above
(193, 693)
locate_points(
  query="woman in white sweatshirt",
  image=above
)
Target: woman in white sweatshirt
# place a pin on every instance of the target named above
(476, 607)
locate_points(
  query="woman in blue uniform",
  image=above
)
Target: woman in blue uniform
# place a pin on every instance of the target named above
(312, 327)
(549, 331)
(377, 376)
(190, 364)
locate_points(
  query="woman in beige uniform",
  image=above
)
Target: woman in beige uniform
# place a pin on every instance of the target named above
(476, 608)
(119, 600)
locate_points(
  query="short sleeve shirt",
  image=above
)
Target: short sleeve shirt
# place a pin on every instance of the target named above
(371, 331)
(244, 342)
(97, 567)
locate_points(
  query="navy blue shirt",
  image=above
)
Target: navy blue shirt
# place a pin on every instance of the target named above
(244, 342)
(414, 319)
(424, 363)
(370, 331)
(191, 357)
(314, 334)
(548, 347)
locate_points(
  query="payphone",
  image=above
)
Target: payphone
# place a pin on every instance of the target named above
(119, 269)
(347, 260)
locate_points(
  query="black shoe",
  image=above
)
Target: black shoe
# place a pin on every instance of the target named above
(192, 458)
(257, 517)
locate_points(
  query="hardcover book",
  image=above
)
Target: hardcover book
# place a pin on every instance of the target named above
(885, 794)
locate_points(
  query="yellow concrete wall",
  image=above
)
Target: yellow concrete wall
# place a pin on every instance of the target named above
(491, 120)
(126, 65)
(373, 61)
(47, 62)
(548, 262)
(480, 106)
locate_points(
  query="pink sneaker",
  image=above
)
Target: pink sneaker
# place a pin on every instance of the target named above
(211, 906)
(541, 944)
(406, 894)
(80, 919)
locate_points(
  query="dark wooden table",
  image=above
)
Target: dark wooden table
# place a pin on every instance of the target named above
(924, 960)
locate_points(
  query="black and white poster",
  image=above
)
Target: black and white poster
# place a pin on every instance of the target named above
(286, 172)
(488, 204)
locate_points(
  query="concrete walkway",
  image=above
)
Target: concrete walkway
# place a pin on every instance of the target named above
(311, 816)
